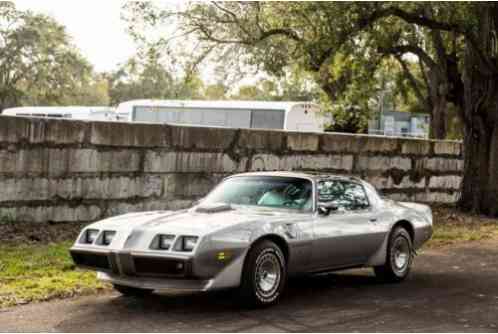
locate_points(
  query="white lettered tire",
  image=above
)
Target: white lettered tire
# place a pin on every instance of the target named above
(398, 259)
(264, 275)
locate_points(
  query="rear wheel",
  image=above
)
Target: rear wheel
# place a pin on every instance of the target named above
(130, 291)
(264, 275)
(399, 257)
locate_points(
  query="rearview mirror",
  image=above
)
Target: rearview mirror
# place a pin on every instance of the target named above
(324, 208)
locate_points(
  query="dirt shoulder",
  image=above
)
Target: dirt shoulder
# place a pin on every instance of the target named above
(12, 233)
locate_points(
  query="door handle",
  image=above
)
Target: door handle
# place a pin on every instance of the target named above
(373, 220)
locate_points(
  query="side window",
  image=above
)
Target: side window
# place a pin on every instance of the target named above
(346, 195)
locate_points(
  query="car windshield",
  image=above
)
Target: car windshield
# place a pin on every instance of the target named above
(264, 191)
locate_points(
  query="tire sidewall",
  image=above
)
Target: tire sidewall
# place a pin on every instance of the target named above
(255, 256)
(399, 233)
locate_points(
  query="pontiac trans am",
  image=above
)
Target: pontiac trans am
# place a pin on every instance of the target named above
(254, 230)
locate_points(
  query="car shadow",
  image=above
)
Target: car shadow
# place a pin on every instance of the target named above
(305, 296)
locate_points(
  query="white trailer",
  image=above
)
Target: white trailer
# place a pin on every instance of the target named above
(292, 116)
(72, 112)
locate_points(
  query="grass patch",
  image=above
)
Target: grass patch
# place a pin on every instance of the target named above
(452, 226)
(41, 272)
(451, 233)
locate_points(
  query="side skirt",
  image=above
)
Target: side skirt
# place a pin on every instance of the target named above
(334, 269)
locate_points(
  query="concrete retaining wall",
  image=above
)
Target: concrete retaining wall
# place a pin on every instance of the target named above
(68, 171)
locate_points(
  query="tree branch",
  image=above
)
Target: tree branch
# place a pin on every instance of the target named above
(422, 20)
(410, 48)
(412, 81)
(424, 75)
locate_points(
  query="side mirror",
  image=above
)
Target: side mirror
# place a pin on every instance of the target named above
(324, 208)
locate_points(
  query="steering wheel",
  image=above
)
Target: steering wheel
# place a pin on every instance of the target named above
(289, 203)
(291, 190)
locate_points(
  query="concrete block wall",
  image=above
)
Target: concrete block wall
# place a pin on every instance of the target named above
(77, 171)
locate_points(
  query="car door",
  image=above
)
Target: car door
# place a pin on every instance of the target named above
(349, 235)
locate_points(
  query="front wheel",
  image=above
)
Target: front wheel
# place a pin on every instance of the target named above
(399, 257)
(264, 275)
(130, 291)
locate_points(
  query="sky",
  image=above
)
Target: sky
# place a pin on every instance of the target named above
(95, 26)
(97, 30)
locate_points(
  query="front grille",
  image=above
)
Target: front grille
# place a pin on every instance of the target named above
(99, 261)
(150, 266)
(113, 262)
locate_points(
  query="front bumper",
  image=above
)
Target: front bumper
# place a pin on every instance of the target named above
(140, 270)
(149, 270)
(156, 283)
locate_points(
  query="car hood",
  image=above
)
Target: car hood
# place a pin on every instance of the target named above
(195, 221)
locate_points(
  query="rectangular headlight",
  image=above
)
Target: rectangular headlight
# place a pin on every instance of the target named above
(188, 243)
(107, 237)
(91, 235)
(165, 241)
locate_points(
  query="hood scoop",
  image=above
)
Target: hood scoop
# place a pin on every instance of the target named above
(213, 208)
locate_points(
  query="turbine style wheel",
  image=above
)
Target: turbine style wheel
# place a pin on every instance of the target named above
(264, 275)
(130, 291)
(399, 257)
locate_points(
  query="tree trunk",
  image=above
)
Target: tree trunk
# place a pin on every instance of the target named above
(480, 182)
(439, 118)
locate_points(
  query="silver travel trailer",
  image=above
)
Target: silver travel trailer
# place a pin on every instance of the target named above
(72, 112)
(292, 116)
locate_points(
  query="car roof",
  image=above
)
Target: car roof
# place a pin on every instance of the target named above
(305, 175)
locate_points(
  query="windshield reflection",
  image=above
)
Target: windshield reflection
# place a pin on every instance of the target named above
(264, 191)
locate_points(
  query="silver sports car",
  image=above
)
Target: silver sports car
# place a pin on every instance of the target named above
(252, 231)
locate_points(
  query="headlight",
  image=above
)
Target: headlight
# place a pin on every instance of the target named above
(107, 237)
(91, 235)
(188, 243)
(165, 241)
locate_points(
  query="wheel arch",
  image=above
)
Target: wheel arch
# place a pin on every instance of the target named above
(407, 225)
(379, 258)
(278, 240)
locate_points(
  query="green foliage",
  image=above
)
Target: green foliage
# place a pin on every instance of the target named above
(148, 76)
(217, 91)
(140, 78)
(293, 86)
(6, 218)
(41, 272)
(39, 65)
(333, 45)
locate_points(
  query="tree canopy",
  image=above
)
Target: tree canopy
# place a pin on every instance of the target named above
(38, 63)
(344, 45)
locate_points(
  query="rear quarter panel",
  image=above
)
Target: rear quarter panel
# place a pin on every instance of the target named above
(419, 216)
